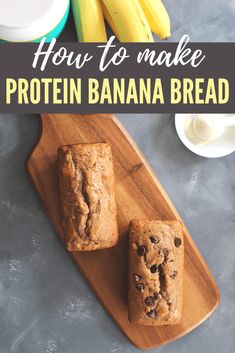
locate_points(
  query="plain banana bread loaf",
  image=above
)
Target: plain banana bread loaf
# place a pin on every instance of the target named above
(87, 193)
(156, 258)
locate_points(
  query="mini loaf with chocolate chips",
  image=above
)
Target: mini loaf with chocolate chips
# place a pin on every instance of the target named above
(156, 261)
(86, 181)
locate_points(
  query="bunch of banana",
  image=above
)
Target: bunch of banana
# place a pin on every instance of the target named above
(89, 21)
(130, 20)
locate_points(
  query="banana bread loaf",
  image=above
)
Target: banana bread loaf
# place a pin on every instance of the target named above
(87, 193)
(156, 257)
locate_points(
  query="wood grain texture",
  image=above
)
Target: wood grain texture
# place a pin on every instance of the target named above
(139, 195)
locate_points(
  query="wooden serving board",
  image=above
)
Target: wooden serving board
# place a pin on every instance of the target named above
(139, 195)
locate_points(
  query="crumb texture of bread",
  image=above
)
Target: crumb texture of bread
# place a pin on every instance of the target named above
(156, 262)
(87, 193)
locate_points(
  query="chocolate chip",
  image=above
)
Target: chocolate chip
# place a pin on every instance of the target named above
(141, 250)
(177, 242)
(149, 301)
(156, 295)
(165, 252)
(152, 314)
(153, 268)
(174, 274)
(137, 277)
(154, 239)
(140, 287)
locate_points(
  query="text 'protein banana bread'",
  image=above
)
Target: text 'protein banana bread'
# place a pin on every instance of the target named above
(87, 193)
(156, 261)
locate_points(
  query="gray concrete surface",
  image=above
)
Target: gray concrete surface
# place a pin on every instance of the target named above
(45, 304)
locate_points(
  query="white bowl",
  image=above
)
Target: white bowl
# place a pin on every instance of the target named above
(30, 20)
(220, 147)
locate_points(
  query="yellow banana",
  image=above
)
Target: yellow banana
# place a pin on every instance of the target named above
(128, 20)
(157, 17)
(108, 18)
(89, 21)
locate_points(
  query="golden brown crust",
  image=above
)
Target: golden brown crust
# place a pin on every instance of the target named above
(156, 260)
(87, 193)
